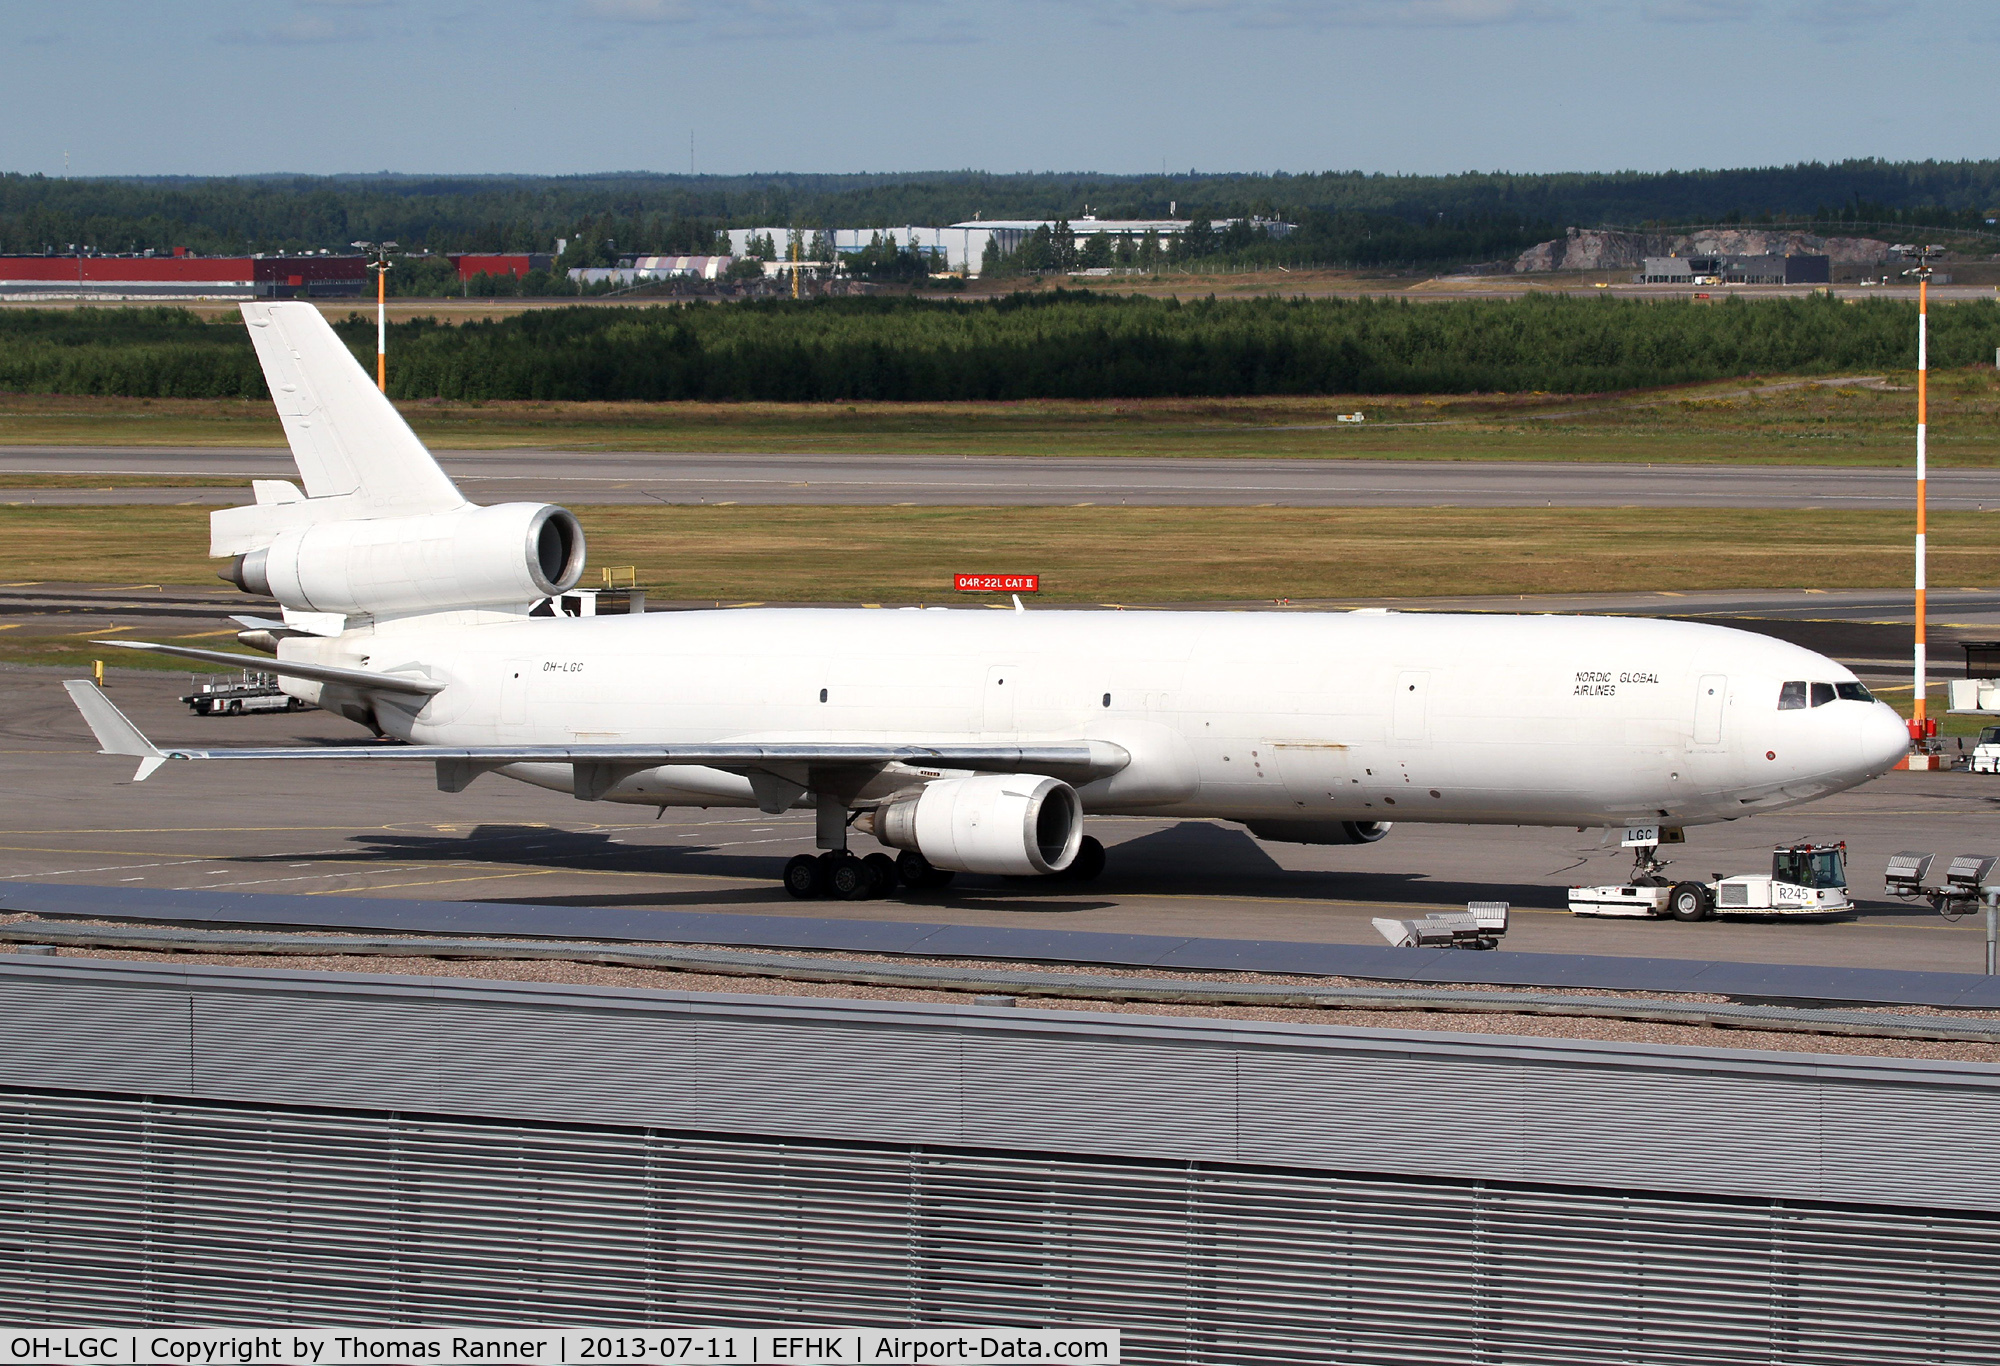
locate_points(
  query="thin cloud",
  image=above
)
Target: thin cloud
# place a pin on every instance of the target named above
(301, 30)
(641, 11)
(1699, 11)
(748, 19)
(1367, 13)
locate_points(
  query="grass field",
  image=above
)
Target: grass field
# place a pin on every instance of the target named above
(1106, 554)
(1766, 421)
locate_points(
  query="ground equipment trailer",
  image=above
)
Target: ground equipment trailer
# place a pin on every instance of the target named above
(251, 691)
(1805, 879)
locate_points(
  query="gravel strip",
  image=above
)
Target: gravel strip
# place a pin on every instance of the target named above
(875, 976)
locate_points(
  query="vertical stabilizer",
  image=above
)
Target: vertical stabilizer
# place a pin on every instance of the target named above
(348, 439)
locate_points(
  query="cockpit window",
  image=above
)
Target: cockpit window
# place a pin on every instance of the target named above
(1822, 694)
(1792, 697)
(1852, 692)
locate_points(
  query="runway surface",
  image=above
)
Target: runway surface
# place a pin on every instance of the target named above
(584, 478)
(331, 828)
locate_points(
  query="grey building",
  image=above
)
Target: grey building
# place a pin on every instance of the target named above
(188, 1145)
(1735, 270)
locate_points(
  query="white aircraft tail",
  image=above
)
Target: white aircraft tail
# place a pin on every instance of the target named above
(356, 456)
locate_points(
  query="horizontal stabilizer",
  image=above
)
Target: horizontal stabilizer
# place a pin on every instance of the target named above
(365, 680)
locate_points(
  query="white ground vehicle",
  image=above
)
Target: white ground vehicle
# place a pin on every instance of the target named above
(1986, 754)
(247, 692)
(1805, 879)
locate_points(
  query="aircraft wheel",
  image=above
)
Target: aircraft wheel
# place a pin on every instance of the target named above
(1087, 864)
(802, 877)
(917, 873)
(1688, 901)
(850, 879)
(884, 868)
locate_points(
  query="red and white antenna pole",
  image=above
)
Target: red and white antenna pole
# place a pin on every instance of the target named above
(379, 263)
(1923, 422)
(1919, 726)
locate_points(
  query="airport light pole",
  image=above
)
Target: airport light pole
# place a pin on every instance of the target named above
(379, 251)
(1923, 256)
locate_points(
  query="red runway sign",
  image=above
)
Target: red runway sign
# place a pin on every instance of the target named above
(998, 583)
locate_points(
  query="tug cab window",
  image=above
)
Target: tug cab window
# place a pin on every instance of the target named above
(1822, 694)
(1792, 697)
(1809, 867)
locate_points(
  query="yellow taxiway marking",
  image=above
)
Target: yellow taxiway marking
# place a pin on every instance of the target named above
(10, 626)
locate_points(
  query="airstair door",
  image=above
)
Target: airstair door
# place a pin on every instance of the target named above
(1709, 696)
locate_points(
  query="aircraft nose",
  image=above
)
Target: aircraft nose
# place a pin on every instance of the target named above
(1885, 738)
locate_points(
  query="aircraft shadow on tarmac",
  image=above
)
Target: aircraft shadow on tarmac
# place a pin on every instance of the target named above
(1193, 858)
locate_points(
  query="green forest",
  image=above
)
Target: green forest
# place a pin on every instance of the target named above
(1343, 217)
(1050, 345)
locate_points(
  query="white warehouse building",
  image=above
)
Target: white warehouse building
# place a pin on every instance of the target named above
(963, 245)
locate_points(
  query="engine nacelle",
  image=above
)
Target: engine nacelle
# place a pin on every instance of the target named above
(469, 557)
(1016, 824)
(1318, 832)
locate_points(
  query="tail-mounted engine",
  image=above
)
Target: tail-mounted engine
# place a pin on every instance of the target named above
(1017, 824)
(509, 554)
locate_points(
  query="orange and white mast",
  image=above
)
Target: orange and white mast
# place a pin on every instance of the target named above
(379, 251)
(1920, 672)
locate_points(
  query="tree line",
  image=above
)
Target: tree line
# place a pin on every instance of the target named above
(1429, 218)
(1054, 345)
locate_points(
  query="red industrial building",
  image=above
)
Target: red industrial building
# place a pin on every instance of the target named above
(182, 276)
(514, 263)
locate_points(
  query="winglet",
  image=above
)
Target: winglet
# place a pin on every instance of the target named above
(115, 734)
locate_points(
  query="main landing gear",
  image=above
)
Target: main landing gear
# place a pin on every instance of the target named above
(842, 875)
(845, 877)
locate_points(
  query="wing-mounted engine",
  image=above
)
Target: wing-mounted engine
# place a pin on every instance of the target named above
(1011, 824)
(506, 555)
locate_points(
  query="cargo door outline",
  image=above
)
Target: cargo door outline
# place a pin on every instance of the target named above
(1711, 694)
(1315, 773)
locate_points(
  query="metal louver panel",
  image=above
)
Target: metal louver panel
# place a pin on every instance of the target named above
(1634, 1117)
(100, 1035)
(126, 1209)
(1580, 1123)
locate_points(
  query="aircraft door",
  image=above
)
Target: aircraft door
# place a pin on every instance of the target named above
(1315, 774)
(1710, 694)
(1002, 686)
(1412, 707)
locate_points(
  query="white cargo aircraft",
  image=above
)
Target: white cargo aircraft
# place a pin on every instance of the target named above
(968, 740)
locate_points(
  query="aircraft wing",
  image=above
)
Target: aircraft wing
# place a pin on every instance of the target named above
(1080, 760)
(365, 680)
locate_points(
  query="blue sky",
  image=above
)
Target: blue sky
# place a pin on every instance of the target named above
(559, 86)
